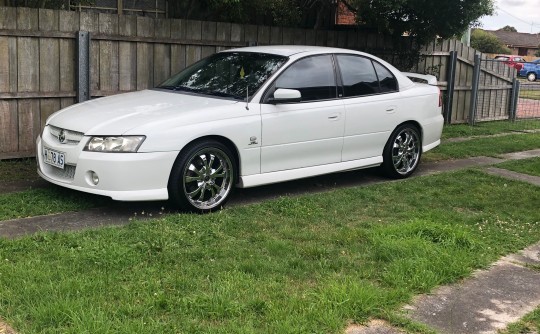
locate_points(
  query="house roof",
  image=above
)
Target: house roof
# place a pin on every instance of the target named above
(517, 39)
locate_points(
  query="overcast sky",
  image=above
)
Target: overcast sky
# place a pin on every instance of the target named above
(524, 15)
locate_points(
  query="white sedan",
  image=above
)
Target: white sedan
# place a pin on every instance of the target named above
(243, 118)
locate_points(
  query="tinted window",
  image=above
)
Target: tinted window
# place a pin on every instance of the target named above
(228, 74)
(358, 76)
(312, 76)
(386, 79)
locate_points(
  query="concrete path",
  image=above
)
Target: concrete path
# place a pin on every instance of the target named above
(514, 175)
(486, 302)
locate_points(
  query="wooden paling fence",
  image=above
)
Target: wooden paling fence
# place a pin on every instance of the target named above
(41, 60)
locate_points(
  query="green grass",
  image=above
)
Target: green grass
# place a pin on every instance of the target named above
(487, 128)
(36, 202)
(18, 170)
(488, 146)
(529, 324)
(526, 166)
(308, 264)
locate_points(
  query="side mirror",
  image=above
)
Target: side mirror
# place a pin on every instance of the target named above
(282, 95)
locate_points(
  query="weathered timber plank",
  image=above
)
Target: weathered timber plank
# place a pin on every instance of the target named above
(237, 33)
(263, 35)
(209, 32)
(311, 37)
(162, 63)
(250, 33)
(67, 65)
(223, 34)
(13, 64)
(9, 139)
(127, 25)
(178, 52)
(299, 36)
(145, 66)
(193, 32)
(29, 124)
(48, 19)
(4, 64)
(27, 18)
(127, 52)
(89, 21)
(68, 21)
(8, 18)
(49, 65)
(66, 102)
(48, 107)
(108, 53)
(276, 36)
(28, 65)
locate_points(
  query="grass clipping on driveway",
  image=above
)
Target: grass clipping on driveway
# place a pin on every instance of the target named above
(305, 264)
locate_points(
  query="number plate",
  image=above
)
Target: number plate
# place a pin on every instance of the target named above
(53, 158)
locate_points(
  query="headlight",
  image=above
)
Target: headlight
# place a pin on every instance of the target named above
(114, 144)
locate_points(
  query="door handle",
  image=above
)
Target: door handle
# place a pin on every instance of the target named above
(391, 109)
(333, 117)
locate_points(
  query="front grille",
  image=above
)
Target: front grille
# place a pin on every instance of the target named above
(72, 137)
(68, 173)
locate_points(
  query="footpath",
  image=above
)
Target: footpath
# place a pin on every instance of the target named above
(484, 303)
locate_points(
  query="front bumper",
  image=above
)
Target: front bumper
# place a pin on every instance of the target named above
(122, 176)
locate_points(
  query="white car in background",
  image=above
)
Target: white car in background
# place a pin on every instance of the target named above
(243, 118)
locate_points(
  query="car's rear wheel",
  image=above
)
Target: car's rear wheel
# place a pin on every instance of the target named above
(402, 152)
(531, 76)
(202, 177)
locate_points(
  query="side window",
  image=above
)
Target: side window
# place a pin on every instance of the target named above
(312, 76)
(386, 78)
(358, 76)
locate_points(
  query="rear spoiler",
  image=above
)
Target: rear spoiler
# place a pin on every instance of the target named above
(431, 79)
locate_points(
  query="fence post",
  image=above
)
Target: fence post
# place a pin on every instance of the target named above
(83, 66)
(474, 89)
(451, 79)
(512, 110)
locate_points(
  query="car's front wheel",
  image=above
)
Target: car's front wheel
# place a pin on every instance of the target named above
(402, 152)
(202, 177)
(531, 76)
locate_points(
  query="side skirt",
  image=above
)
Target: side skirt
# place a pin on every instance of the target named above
(300, 173)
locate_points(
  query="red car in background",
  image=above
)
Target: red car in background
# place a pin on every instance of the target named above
(512, 61)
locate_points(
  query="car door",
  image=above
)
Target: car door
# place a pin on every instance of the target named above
(309, 132)
(371, 100)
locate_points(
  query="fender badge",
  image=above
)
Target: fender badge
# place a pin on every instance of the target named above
(253, 140)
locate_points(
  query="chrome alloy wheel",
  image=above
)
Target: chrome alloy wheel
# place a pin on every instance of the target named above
(207, 178)
(405, 151)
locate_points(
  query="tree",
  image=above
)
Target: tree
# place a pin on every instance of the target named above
(423, 19)
(487, 42)
(508, 28)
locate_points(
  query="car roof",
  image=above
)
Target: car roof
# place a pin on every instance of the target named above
(289, 50)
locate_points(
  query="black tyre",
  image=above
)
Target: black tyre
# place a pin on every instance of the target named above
(203, 177)
(402, 152)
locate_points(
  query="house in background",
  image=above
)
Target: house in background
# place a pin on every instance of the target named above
(344, 16)
(521, 44)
